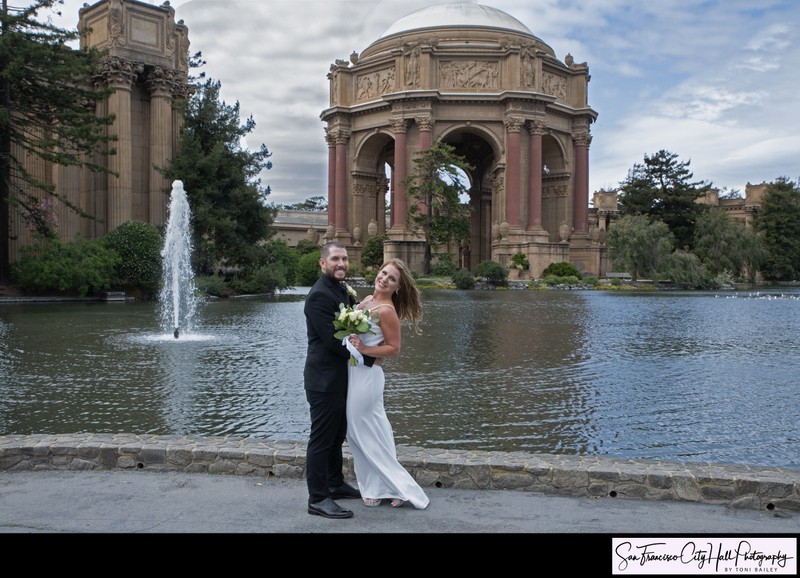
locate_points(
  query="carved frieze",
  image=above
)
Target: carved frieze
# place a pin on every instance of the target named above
(374, 84)
(468, 74)
(554, 191)
(555, 85)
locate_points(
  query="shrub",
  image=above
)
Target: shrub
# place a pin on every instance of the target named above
(211, 285)
(81, 266)
(444, 266)
(520, 260)
(463, 279)
(562, 269)
(372, 254)
(139, 246)
(493, 272)
(276, 254)
(304, 247)
(369, 277)
(308, 269)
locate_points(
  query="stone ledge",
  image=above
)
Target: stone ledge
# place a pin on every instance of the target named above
(737, 486)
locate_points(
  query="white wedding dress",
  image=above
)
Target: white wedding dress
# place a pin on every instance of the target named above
(370, 436)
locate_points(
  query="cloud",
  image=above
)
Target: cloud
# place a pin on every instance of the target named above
(713, 82)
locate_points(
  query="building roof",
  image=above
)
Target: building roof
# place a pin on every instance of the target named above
(456, 14)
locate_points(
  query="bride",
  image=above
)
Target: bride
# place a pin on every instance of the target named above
(380, 476)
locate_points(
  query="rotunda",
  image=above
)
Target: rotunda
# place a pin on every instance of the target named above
(478, 79)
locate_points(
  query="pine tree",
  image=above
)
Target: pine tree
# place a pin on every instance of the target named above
(230, 214)
(661, 188)
(47, 112)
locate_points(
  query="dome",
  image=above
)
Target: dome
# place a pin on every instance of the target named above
(456, 14)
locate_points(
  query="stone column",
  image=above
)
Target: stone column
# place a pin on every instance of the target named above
(580, 206)
(342, 136)
(425, 124)
(329, 138)
(120, 74)
(536, 130)
(513, 128)
(400, 202)
(159, 83)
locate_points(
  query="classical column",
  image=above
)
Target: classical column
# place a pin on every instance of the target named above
(331, 140)
(400, 202)
(342, 136)
(425, 125)
(513, 128)
(159, 83)
(536, 130)
(580, 207)
(120, 75)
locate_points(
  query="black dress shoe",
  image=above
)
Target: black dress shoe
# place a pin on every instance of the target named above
(343, 492)
(327, 508)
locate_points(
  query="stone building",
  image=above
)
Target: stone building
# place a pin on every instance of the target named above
(464, 74)
(147, 65)
(478, 79)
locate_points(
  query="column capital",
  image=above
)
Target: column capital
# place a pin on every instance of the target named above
(160, 81)
(424, 122)
(582, 139)
(399, 125)
(536, 127)
(514, 123)
(335, 136)
(119, 72)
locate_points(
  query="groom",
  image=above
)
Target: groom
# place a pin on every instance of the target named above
(325, 378)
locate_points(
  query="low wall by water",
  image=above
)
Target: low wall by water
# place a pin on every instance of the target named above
(760, 488)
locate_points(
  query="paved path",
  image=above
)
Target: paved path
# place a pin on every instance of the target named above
(57, 501)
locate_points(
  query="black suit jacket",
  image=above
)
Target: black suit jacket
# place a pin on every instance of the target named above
(326, 358)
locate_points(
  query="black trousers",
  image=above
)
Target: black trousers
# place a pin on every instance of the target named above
(324, 452)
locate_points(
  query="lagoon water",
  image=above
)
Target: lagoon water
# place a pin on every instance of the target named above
(671, 375)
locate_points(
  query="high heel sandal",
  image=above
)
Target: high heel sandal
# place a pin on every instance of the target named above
(372, 502)
(396, 503)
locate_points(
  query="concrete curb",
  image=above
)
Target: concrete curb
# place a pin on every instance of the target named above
(737, 486)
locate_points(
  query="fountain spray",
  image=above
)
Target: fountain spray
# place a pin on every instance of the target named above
(177, 295)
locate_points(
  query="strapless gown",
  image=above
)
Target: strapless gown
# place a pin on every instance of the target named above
(371, 439)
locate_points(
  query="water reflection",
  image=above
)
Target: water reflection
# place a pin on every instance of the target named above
(675, 376)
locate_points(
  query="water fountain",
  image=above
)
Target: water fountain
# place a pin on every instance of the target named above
(177, 297)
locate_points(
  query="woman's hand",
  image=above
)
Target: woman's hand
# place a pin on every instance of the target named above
(357, 343)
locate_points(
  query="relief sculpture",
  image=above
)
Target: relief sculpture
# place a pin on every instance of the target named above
(374, 84)
(468, 74)
(555, 85)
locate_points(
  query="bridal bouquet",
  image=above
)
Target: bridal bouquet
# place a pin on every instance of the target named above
(351, 321)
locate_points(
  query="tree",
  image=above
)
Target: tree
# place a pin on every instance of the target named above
(662, 189)
(435, 209)
(725, 247)
(778, 224)
(313, 204)
(230, 214)
(47, 113)
(638, 245)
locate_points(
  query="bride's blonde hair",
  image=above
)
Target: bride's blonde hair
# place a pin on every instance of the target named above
(406, 300)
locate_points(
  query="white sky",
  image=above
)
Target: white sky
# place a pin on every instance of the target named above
(714, 81)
